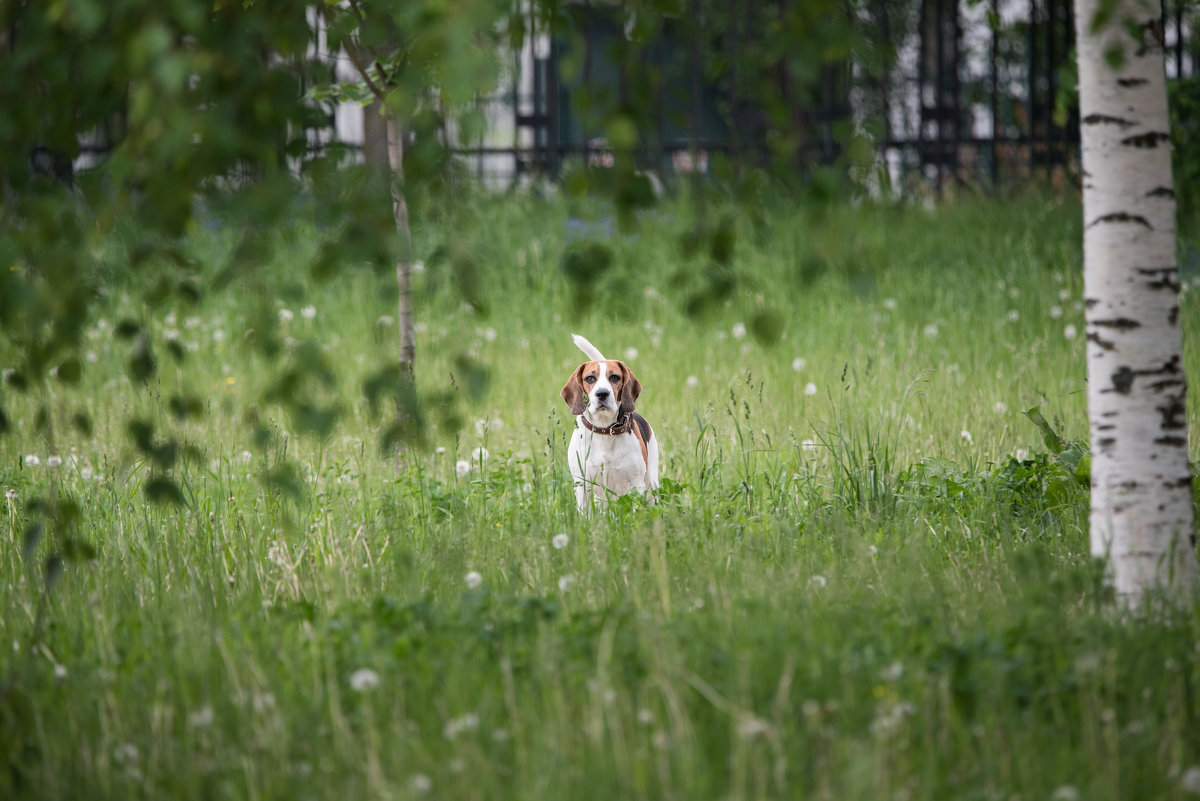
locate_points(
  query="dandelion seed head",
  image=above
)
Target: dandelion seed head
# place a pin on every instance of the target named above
(692, 382)
(462, 467)
(1000, 407)
(480, 454)
(1189, 782)
(308, 312)
(810, 389)
(1070, 332)
(32, 460)
(818, 582)
(364, 680)
(420, 783)
(286, 316)
(808, 445)
(474, 580)
(1056, 312)
(566, 582)
(965, 436)
(53, 460)
(559, 542)
(799, 363)
(1066, 792)
(1013, 315)
(889, 304)
(739, 330)
(931, 330)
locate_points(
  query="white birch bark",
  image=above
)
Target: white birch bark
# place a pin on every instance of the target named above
(1141, 503)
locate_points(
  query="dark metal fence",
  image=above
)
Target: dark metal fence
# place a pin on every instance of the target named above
(972, 93)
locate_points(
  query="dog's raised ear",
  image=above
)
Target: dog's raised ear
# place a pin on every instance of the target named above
(574, 393)
(630, 389)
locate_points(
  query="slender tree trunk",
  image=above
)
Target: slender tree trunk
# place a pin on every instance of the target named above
(406, 317)
(1141, 516)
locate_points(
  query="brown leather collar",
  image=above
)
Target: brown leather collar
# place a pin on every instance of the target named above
(622, 426)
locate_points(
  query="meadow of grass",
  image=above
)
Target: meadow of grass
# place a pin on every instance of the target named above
(866, 578)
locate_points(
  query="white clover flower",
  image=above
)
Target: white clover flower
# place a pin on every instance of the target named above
(965, 436)
(308, 312)
(1070, 332)
(799, 363)
(559, 542)
(692, 382)
(32, 460)
(202, 717)
(474, 580)
(363, 680)
(53, 460)
(739, 330)
(931, 330)
(889, 304)
(462, 467)
(810, 388)
(1056, 311)
(566, 582)
(1000, 407)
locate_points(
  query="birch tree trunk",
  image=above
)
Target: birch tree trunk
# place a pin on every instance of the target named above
(1141, 513)
(406, 317)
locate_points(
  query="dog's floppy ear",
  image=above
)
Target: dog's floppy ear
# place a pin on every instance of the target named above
(573, 392)
(630, 389)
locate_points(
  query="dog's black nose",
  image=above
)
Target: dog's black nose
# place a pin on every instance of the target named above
(602, 394)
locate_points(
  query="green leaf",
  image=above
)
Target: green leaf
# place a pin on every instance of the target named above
(1053, 441)
(69, 371)
(767, 327)
(163, 490)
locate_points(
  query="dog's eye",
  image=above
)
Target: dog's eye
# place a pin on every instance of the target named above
(591, 379)
(614, 378)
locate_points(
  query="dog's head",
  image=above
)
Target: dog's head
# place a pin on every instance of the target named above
(604, 390)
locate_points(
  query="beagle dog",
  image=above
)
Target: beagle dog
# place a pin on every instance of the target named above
(613, 449)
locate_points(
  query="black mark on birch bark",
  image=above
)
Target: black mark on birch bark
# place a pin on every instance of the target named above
(1122, 380)
(1174, 413)
(1171, 442)
(1122, 217)
(1105, 444)
(1130, 83)
(1173, 315)
(1161, 277)
(1147, 140)
(1102, 343)
(1161, 191)
(1106, 119)
(1119, 323)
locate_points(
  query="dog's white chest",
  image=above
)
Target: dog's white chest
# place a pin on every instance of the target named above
(608, 463)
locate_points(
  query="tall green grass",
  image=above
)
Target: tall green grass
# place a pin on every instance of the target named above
(866, 578)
